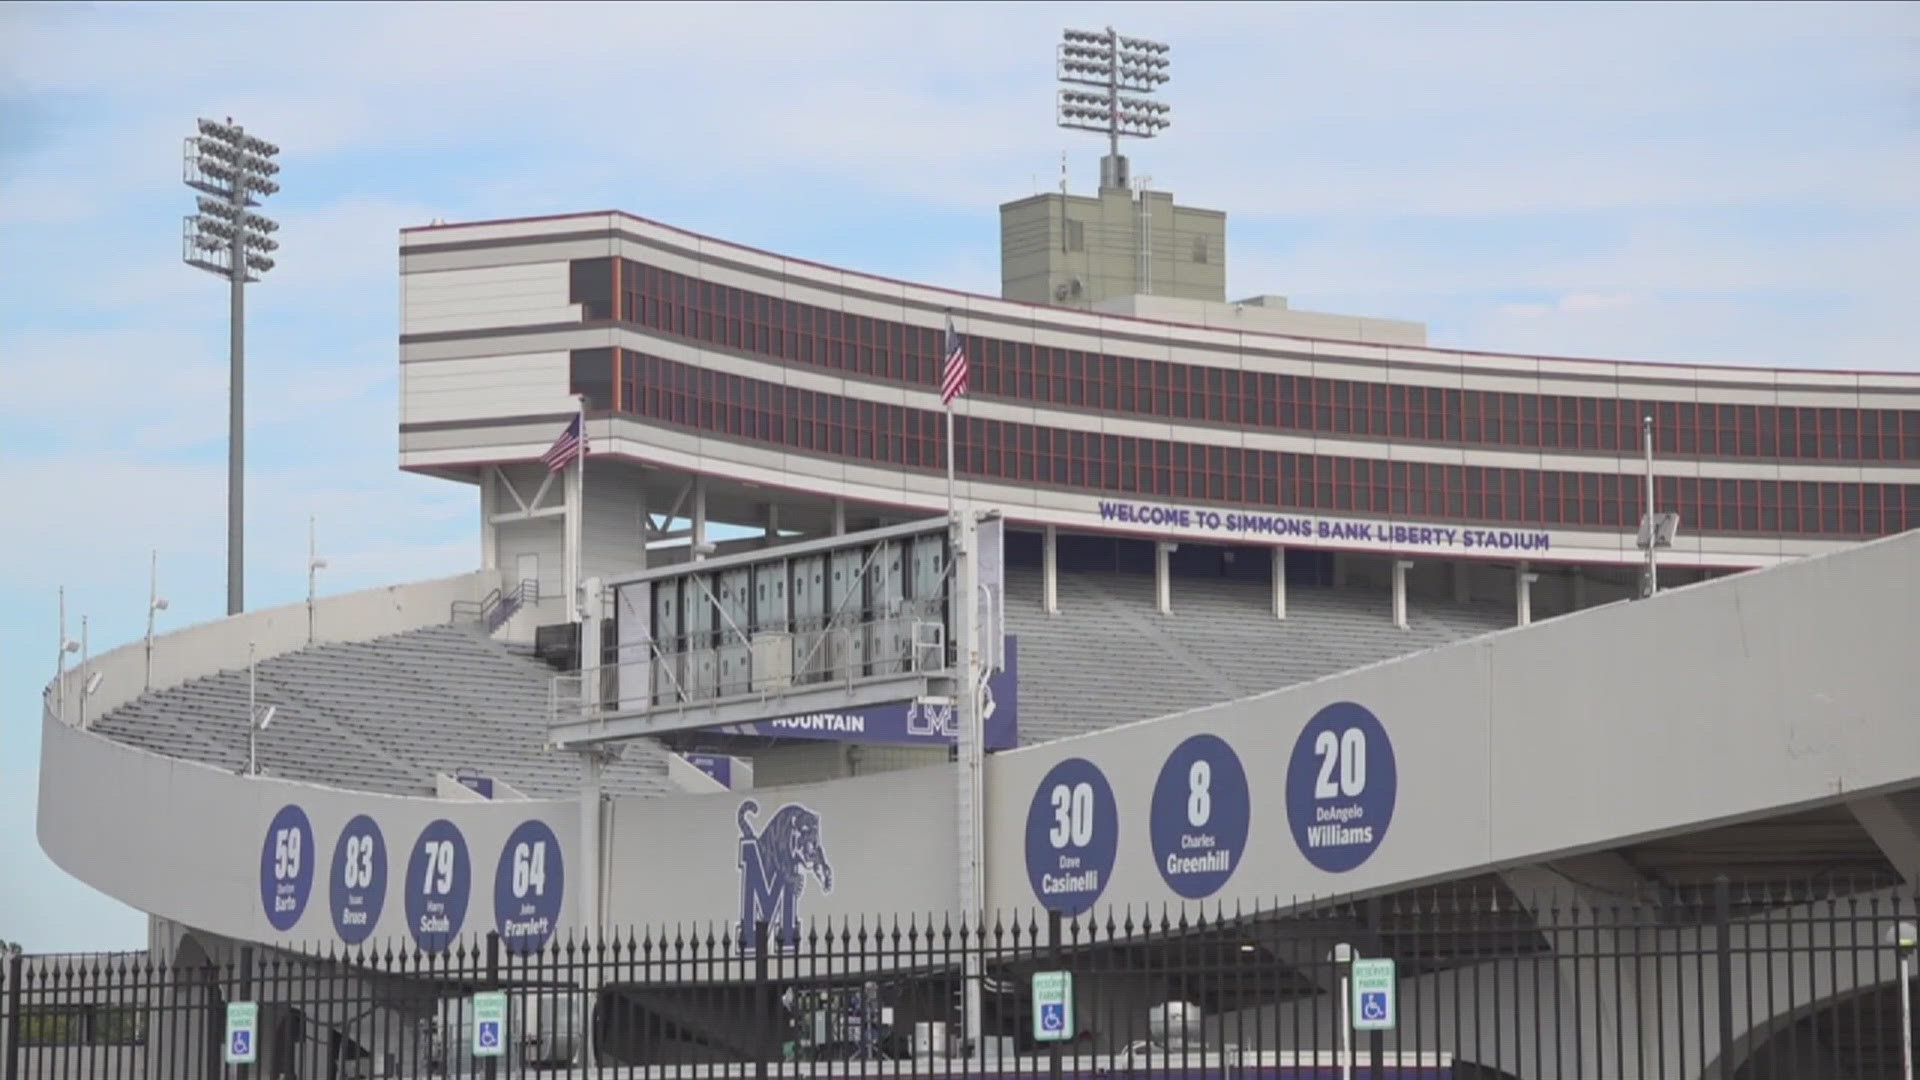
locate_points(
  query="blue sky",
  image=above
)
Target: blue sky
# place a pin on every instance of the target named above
(1714, 183)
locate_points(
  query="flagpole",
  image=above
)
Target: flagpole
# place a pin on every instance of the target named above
(578, 532)
(953, 509)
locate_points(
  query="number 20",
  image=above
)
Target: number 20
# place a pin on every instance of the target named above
(1345, 753)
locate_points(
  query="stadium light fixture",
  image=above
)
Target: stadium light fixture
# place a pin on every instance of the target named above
(1121, 71)
(233, 171)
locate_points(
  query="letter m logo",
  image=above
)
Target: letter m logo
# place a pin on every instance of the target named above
(774, 863)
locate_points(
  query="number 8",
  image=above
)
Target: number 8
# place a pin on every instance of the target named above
(1199, 797)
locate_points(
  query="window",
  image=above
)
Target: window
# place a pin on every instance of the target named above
(1200, 252)
(592, 375)
(790, 332)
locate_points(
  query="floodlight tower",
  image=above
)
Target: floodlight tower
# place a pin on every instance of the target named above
(232, 170)
(1119, 69)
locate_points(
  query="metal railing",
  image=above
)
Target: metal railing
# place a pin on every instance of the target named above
(497, 607)
(1725, 981)
(675, 675)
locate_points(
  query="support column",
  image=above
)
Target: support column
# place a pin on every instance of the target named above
(1894, 831)
(1279, 583)
(1579, 589)
(839, 527)
(1462, 582)
(1163, 577)
(1523, 580)
(1400, 568)
(646, 526)
(698, 539)
(489, 537)
(970, 776)
(592, 843)
(1050, 572)
(1339, 570)
(772, 534)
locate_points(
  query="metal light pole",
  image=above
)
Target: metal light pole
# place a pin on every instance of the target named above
(67, 645)
(1653, 559)
(1657, 530)
(1117, 68)
(257, 721)
(227, 239)
(86, 673)
(315, 564)
(155, 604)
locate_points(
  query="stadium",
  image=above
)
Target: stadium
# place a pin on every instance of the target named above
(1580, 689)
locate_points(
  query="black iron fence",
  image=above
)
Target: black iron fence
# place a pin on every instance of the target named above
(1728, 982)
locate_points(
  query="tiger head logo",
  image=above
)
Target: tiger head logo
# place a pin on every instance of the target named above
(775, 861)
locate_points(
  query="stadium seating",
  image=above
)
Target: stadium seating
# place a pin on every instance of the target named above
(386, 716)
(392, 714)
(1108, 658)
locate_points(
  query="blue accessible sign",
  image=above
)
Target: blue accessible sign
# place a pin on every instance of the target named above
(1341, 786)
(1073, 831)
(242, 1046)
(1200, 816)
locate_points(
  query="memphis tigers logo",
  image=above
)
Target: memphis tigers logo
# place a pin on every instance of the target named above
(774, 864)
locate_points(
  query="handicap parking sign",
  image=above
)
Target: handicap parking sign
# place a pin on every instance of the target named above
(1052, 1006)
(1374, 983)
(489, 1023)
(243, 1020)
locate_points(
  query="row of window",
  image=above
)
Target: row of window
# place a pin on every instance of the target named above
(1027, 454)
(798, 333)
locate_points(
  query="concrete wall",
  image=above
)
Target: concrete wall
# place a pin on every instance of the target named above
(1053, 240)
(1715, 703)
(1730, 700)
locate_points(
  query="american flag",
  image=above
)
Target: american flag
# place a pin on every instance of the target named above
(570, 446)
(954, 382)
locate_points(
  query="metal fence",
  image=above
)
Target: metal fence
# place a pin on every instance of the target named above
(1724, 981)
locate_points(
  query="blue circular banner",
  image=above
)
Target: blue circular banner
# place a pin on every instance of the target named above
(439, 880)
(286, 867)
(357, 885)
(528, 887)
(1200, 816)
(1341, 784)
(1073, 831)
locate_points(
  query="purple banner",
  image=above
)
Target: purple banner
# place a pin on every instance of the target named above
(909, 723)
(718, 766)
(1396, 536)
